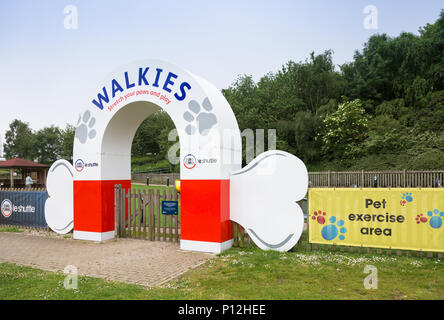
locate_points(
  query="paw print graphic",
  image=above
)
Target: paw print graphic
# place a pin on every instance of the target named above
(84, 127)
(331, 231)
(407, 197)
(319, 216)
(198, 119)
(436, 218)
(420, 218)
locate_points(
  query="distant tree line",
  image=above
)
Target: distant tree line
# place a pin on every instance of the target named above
(383, 110)
(45, 145)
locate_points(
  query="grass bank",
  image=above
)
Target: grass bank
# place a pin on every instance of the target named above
(251, 274)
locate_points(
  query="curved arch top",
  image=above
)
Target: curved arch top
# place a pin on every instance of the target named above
(210, 142)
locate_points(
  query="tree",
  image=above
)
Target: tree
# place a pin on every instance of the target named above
(47, 144)
(312, 83)
(344, 129)
(19, 141)
(67, 140)
(152, 135)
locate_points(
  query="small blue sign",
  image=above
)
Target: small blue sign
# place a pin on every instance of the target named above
(170, 207)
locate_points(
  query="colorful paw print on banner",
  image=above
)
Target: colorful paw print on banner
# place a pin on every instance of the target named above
(335, 228)
(319, 216)
(435, 218)
(406, 197)
(420, 218)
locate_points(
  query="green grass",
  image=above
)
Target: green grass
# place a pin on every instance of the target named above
(252, 274)
(10, 229)
(142, 164)
(155, 188)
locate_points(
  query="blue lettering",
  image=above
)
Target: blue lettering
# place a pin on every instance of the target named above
(101, 97)
(156, 82)
(142, 76)
(168, 81)
(128, 85)
(183, 95)
(116, 87)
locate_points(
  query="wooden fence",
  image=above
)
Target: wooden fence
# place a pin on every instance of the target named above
(365, 179)
(138, 214)
(378, 179)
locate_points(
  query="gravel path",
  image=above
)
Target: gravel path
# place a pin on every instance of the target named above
(147, 263)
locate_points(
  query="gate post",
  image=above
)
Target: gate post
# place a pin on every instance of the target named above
(117, 206)
(362, 178)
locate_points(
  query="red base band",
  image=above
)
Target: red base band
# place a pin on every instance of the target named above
(94, 204)
(205, 210)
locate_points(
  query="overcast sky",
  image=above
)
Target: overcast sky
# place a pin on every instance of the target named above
(47, 70)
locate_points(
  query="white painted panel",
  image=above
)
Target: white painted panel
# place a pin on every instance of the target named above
(263, 199)
(59, 210)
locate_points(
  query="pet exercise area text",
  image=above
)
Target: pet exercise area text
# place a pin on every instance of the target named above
(391, 218)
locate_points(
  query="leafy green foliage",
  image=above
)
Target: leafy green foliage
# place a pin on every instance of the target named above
(18, 140)
(67, 139)
(344, 129)
(151, 143)
(45, 146)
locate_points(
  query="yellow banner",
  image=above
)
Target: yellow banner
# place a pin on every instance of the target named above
(397, 218)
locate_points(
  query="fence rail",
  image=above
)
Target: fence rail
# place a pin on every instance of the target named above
(376, 179)
(38, 189)
(138, 215)
(361, 179)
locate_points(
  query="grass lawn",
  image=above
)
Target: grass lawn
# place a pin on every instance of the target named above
(251, 274)
(10, 229)
(155, 187)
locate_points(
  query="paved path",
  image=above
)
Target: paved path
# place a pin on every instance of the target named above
(128, 260)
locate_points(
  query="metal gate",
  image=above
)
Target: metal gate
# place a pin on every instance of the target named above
(138, 214)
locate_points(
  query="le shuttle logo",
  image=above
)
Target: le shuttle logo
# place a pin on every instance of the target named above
(6, 208)
(79, 165)
(189, 161)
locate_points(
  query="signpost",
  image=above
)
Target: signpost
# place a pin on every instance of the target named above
(170, 207)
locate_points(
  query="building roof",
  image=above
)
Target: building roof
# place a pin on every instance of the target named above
(21, 163)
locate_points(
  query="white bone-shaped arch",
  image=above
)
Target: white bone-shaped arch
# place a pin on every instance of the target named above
(210, 151)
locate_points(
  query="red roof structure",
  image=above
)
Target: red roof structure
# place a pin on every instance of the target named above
(21, 163)
(37, 171)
